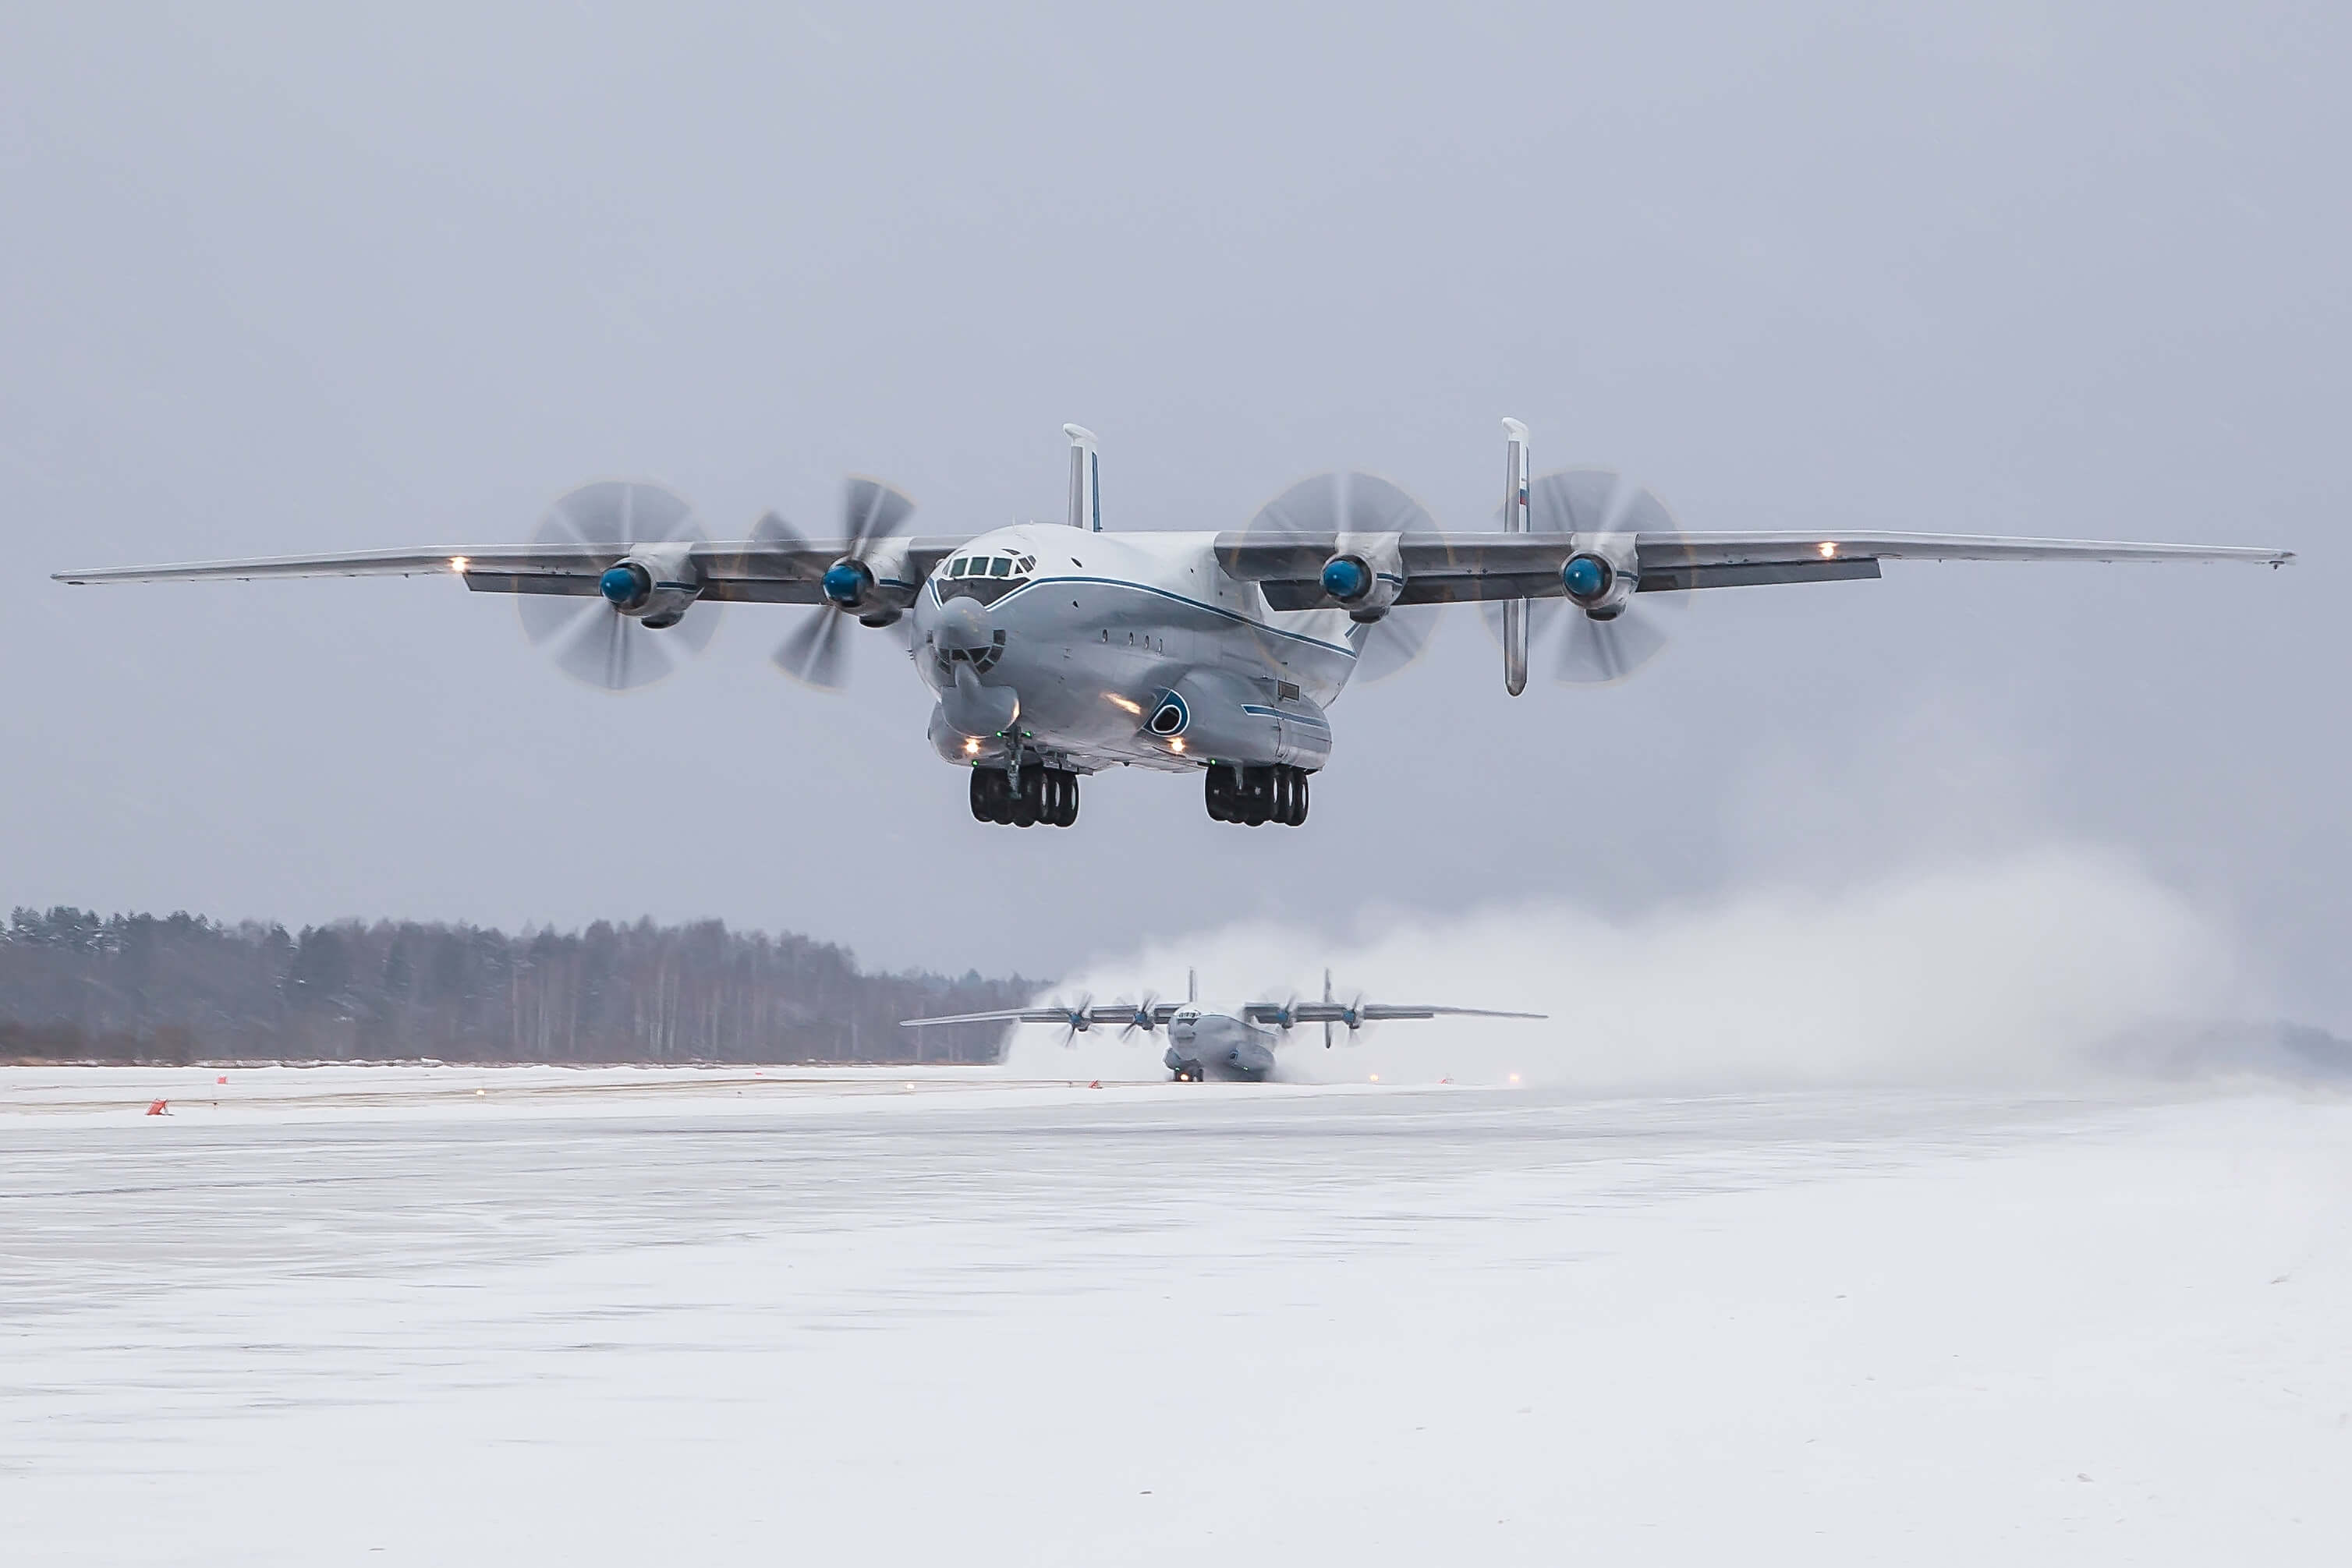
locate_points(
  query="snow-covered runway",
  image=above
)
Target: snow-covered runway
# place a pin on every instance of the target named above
(370, 1315)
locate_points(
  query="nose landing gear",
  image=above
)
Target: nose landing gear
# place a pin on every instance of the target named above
(1047, 795)
(1256, 796)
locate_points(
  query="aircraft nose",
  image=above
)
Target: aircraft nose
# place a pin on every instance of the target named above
(963, 626)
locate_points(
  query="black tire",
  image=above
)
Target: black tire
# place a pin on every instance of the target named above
(1218, 791)
(1301, 797)
(1257, 796)
(991, 795)
(1068, 815)
(1027, 804)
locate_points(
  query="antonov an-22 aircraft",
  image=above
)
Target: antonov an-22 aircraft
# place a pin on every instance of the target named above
(1058, 651)
(1230, 1041)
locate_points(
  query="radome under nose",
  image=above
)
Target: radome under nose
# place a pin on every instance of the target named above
(963, 627)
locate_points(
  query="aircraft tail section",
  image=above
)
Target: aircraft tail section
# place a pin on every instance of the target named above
(1515, 521)
(1086, 479)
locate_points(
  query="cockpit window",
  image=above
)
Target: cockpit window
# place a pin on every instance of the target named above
(984, 577)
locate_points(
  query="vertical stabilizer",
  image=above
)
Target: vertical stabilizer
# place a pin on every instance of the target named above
(1086, 479)
(1515, 521)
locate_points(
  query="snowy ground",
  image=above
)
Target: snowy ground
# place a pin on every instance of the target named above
(370, 1315)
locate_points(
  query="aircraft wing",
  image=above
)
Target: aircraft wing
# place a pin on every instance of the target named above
(1451, 567)
(1113, 1013)
(1007, 1015)
(760, 571)
(1371, 1012)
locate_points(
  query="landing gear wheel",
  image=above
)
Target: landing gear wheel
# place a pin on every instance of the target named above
(1298, 798)
(1066, 798)
(1257, 796)
(1030, 802)
(1222, 785)
(992, 795)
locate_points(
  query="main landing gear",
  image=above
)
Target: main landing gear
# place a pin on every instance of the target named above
(1047, 795)
(1257, 795)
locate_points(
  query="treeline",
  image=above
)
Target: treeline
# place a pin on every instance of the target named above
(77, 986)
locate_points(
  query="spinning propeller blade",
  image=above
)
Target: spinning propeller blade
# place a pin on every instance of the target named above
(1142, 1018)
(1590, 501)
(815, 652)
(589, 639)
(1354, 503)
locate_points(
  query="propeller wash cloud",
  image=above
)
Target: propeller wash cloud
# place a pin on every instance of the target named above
(2030, 969)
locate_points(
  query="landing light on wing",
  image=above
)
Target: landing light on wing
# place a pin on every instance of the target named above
(972, 746)
(458, 564)
(1829, 549)
(1177, 745)
(1120, 702)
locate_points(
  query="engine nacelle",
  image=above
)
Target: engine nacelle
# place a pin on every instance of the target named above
(1365, 574)
(1601, 578)
(875, 587)
(656, 585)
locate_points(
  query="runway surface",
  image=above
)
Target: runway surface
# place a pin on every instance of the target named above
(374, 1316)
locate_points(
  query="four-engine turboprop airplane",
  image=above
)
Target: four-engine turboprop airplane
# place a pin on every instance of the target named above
(1233, 1040)
(1060, 651)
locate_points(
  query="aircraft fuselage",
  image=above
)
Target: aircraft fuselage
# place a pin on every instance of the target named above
(1206, 1043)
(1082, 651)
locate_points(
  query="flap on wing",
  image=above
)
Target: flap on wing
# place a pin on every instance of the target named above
(1674, 575)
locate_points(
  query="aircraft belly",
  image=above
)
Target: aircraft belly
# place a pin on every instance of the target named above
(1221, 1049)
(1091, 659)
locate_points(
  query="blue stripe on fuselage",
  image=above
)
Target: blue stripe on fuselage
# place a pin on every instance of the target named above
(1305, 718)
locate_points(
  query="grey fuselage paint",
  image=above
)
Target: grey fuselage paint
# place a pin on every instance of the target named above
(1103, 629)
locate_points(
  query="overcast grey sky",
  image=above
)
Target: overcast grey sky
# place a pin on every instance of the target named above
(282, 278)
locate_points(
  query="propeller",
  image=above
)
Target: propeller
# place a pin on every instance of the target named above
(1353, 503)
(1143, 1019)
(1596, 501)
(1351, 1017)
(588, 636)
(1075, 1021)
(815, 652)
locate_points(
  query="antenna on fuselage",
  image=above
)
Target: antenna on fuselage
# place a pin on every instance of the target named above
(1086, 479)
(1192, 985)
